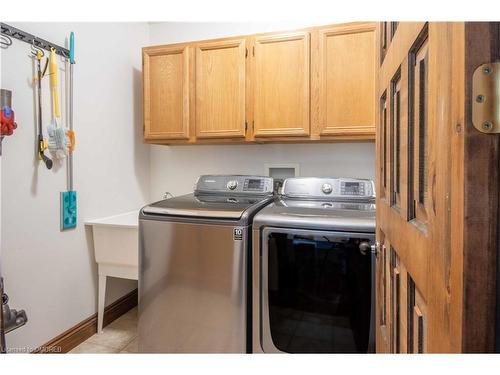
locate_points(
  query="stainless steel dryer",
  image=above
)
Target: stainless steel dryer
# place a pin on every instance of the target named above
(313, 268)
(193, 266)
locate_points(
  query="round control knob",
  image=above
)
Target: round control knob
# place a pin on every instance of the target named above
(326, 188)
(231, 185)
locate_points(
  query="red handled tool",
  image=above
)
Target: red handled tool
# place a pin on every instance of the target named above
(7, 118)
(7, 121)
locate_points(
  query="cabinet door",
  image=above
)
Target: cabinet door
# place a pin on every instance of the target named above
(166, 75)
(346, 80)
(220, 89)
(281, 85)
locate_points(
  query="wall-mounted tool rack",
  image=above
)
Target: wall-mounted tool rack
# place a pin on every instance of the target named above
(16, 33)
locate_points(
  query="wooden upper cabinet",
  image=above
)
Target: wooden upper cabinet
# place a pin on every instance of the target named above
(166, 74)
(315, 84)
(281, 78)
(220, 89)
(345, 80)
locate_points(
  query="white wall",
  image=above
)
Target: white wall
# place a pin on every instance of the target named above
(176, 32)
(175, 168)
(49, 273)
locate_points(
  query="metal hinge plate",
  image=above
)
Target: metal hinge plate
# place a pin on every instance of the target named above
(486, 98)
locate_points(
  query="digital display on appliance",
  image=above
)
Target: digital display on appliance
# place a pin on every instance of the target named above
(351, 188)
(253, 184)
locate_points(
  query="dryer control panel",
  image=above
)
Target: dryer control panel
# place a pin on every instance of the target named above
(329, 188)
(234, 184)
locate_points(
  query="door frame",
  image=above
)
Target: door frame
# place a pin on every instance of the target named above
(481, 172)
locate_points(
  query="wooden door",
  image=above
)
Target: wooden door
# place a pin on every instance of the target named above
(346, 79)
(281, 85)
(427, 151)
(167, 94)
(220, 89)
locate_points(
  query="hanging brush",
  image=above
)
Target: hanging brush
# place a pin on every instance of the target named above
(58, 139)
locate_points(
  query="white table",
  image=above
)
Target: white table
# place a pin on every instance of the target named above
(116, 249)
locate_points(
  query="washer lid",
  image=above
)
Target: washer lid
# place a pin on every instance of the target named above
(207, 206)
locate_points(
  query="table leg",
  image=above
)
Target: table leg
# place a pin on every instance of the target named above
(100, 306)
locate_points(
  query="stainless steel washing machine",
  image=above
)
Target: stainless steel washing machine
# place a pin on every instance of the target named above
(194, 259)
(313, 268)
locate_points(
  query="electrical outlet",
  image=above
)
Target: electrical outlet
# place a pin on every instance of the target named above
(68, 210)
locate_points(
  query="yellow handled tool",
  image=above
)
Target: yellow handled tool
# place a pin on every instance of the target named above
(54, 82)
(42, 142)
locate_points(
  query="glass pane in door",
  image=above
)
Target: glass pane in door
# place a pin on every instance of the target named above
(319, 290)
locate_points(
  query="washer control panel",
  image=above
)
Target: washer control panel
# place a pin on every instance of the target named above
(234, 184)
(254, 184)
(352, 188)
(329, 188)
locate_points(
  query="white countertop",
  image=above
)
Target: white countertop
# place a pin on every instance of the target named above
(125, 220)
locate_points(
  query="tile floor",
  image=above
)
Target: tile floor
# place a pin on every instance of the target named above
(118, 337)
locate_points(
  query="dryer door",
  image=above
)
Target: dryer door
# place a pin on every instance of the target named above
(316, 291)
